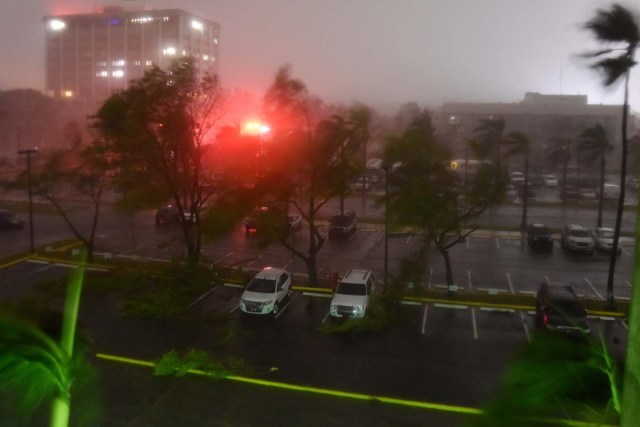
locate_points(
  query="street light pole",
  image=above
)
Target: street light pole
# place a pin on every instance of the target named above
(28, 153)
(386, 222)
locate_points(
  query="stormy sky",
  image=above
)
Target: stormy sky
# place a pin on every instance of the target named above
(380, 52)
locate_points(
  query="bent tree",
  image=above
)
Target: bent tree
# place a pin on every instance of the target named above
(424, 192)
(156, 134)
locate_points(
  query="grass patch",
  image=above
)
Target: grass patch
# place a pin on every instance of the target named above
(173, 363)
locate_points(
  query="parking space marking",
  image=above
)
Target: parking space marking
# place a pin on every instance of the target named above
(469, 279)
(380, 236)
(526, 327)
(473, 322)
(282, 310)
(627, 282)
(408, 239)
(510, 283)
(326, 316)
(234, 308)
(546, 279)
(497, 242)
(593, 288)
(624, 324)
(249, 264)
(222, 257)
(233, 285)
(624, 251)
(424, 319)
(38, 261)
(202, 296)
(455, 306)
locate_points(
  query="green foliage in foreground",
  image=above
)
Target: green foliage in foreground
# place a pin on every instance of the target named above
(555, 376)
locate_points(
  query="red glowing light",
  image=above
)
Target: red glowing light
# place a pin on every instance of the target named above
(255, 128)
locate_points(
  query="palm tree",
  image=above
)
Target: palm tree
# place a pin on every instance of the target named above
(618, 26)
(490, 137)
(517, 144)
(621, 27)
(594, 146)
(559, 152)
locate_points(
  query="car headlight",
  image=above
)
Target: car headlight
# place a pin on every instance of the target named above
(270, 302)
(358, 307)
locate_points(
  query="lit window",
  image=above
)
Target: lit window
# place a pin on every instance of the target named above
(118, 63)
(148, 63)
(138, 63)
(142, 20)
(102, 74)
(205, 57)
(170, 51)
(184, 52)
(57, 25)
(196, 25)
(117, 73)
(67, 94)
(165, 19)
(215, 40)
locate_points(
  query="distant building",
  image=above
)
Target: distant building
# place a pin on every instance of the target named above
(541, 117)
(89, 56)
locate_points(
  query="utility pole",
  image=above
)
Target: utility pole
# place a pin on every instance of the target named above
(28, 153)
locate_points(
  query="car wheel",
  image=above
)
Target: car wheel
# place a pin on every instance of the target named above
(289, 292)
(276, 309)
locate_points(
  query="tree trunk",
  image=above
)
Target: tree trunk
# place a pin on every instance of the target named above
(564, 181)
(447, 264)
(601, 192)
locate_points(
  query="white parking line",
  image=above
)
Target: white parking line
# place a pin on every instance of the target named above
(546, 279)
(286, 305)
(627, 282)
(46, 266)
(424, 319)
(456, 306)
(233, 285)
(473, 321)
(222, 257)
(380, 236)
(249, 264)
(510, 283)
(526, 328)
(203, 295)
(234, 308)
(594, 289)
(469, 279)
(624, 324)
(408, 240)
(37, 261)
(626, 252)
(497, 242)
(326, 316)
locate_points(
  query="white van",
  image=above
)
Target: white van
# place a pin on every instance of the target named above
(611, 192)
(352, 295)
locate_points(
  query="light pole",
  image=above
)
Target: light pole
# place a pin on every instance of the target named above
(385, 167)
(28, 153)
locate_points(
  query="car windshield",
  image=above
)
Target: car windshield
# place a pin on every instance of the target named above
(540, 230)
(262, 285)
(579, 233)
(606, 234)
(351, 289)
(567, 307)
(341, 220)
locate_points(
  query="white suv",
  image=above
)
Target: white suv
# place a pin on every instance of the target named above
(577, 238)
(266, 292)
(352, 294)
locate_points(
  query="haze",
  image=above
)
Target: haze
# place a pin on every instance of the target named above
(380, 52)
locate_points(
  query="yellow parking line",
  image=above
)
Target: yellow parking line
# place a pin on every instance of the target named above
(10, 263)
(347, 394)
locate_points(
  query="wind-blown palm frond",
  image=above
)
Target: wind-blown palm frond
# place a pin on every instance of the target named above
(32, 366)
(612, 69)
(614, 25)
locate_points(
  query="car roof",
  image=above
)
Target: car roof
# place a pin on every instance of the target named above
(270, 273)
(560, 290)
(356, 275)
(575, 227)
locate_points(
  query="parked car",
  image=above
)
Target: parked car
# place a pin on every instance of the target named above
(539, 237)
(167, 215)
(569, 193)
(352, 295)
(550, 180)
(559, 309)
(587, 194)
(266, 292)
(343, 225)
(611, 192)
(362, 183)
(531, 194)
(252, 221)
(9, 220)
(603, 239)
(633, 183)
(576, 238)
(511, 193)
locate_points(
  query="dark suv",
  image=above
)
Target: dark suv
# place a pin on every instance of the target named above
(539, 237)
(559, 309)
(167, 215)
(343, 225)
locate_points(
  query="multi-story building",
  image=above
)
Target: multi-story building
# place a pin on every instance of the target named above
(89, 56)
(541, 117)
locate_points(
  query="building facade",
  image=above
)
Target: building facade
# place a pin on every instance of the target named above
(541, 117)
(89, 56)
